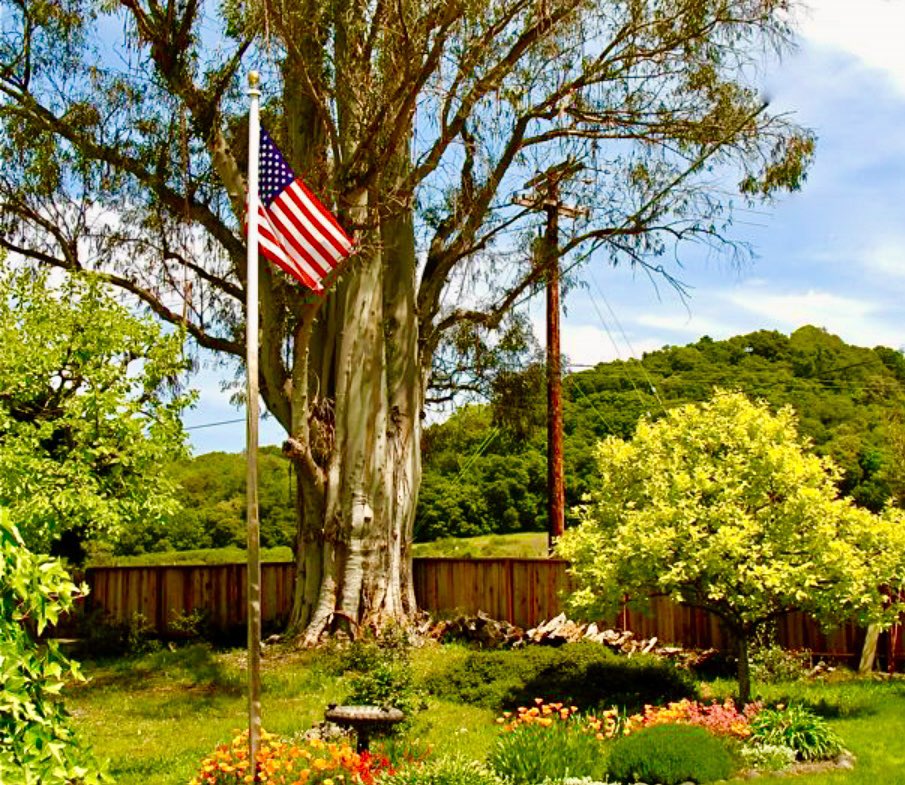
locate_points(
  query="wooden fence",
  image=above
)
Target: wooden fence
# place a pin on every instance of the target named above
(523, 591)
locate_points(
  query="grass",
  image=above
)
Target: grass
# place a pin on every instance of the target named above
(229, 555)
(525, 545)
(155, 716)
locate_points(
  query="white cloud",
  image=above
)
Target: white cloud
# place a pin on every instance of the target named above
(585, 344)
(870, 30)
(692, 324)
(855, 320)
(886, 258)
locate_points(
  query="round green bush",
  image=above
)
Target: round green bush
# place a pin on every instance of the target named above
(670, 754)
(585, 674)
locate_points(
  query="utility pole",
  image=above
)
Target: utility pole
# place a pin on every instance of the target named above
(546, 197)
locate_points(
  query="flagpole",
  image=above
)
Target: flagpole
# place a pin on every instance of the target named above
(251, 446)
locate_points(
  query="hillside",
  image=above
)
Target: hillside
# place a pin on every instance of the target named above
(486, 473)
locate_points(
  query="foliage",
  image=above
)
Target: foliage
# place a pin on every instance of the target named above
(767, 757)
(37, 742)
(103, 636)
(670, 754)
(799, 728)
(445, 770)
(721, 506)
(848, 400)
(532, 752)
(771, 663)
(378, 672)
(131, 169)
(721, 719)
(311, 762)
(586, 675)
(89, 412)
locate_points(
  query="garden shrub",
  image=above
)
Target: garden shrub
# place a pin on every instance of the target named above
(451, 770)
(670, 755)
(378, 672)
(529, 754)
(799, 728)
(767, 757)
(585, 674)
(103, 636)
(771, 664)
(37, 743)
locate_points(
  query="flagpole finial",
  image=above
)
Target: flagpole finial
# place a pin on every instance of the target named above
(254, 80)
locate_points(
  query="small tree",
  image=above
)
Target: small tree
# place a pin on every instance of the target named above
(720, 506)
(89, 411)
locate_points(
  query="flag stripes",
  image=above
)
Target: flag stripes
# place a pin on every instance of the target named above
(296, 231)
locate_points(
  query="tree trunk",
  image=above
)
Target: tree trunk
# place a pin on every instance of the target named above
(356, 384)
(744, 668)
(869, 650)
(356, 442)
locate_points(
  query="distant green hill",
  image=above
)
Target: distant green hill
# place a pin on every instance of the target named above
(484, 468)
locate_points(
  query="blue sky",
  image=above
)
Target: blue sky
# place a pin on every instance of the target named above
(832, 255)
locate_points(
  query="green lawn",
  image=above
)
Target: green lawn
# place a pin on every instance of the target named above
(531, 545)
(154, 717)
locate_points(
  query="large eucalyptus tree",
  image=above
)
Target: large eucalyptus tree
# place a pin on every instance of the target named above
(417, 120)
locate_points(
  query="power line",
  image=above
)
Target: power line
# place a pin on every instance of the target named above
(213, 424)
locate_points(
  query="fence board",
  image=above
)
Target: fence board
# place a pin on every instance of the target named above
(523, 591)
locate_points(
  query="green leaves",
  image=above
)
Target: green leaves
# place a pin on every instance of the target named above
(36, 743)
(721, 505)
(89, 409)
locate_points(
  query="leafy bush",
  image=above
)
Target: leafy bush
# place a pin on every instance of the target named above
(799, 728)
(453, 770)
(767, 757)
(586, 675)
(104, 636)
(670, 754)
(771, 663)
(529, 754)
(379, 672)
(37, 743)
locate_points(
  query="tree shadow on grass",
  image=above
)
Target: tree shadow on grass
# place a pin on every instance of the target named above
(194, 666)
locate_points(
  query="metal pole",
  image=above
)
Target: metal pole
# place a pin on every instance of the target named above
(251, 447)
(555, 482)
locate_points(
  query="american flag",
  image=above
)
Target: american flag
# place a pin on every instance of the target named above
(296, 232)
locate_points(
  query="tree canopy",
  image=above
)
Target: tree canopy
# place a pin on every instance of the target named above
(721, 506)
(90, 404)
(123, 130)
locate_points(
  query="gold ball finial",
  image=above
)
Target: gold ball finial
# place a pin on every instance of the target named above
(254, 79)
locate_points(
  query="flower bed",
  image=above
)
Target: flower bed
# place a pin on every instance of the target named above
(310, 762)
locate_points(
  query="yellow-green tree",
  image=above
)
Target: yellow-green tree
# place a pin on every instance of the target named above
(90, 405)
(720, 506)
